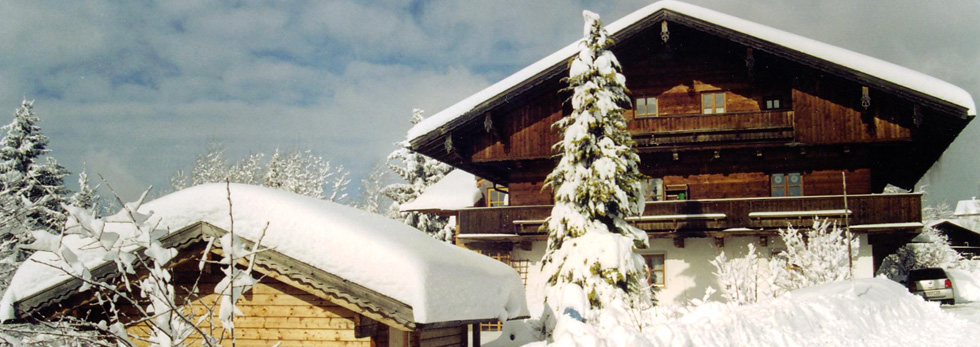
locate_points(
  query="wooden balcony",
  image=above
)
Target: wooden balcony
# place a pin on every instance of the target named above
(713, 128)
(745, 216)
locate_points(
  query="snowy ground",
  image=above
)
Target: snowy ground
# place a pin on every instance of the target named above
(864, 312)
(966, 311)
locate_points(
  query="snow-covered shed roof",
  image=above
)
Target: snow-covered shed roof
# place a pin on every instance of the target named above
(762, 37)
(440, 282)
(967, 208)
(457, 190)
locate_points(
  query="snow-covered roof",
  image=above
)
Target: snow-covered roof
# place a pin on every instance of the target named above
(967, 208)
(457, 190)
(440, 282)
(898, 75)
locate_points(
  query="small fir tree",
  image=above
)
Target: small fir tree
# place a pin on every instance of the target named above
(596, 186)
(419, 172)
(26, 177)
(86, 197)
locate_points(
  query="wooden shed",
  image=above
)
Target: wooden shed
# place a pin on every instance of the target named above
(294, 303)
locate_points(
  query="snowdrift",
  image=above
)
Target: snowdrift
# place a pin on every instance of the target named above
(864, 312)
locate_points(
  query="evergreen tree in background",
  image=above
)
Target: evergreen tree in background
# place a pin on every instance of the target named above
(300, 172)
(419, 172)
(371, 189)
(86, 197)
(210, 167)
(36, 185)
(596, 185)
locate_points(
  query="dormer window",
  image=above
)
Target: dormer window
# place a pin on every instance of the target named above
(772, 103)
(646, 107)
(713, 103)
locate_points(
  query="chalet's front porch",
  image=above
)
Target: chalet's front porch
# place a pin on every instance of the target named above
(867, 213)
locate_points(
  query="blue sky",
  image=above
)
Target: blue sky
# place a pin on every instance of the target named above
(135, 90)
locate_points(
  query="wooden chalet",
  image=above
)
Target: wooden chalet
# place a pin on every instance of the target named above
(294, 303)
(740, 128)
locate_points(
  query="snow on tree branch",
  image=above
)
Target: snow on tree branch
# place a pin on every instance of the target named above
(596, 185)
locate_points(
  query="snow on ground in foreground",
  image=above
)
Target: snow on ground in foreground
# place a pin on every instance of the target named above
(441, 282)
(966, 285)
(864, 312)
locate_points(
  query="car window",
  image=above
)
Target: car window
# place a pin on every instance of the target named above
(926, 274)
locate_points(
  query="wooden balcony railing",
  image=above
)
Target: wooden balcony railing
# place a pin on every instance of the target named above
(707, 128)
(865, 213)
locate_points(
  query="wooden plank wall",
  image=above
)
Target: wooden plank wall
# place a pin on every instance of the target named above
(521, 133)
(529, 193)
(274, 312)
(441, 337)
(757, 184)
(829, 110)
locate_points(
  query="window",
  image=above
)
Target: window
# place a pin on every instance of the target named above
(496, 197)
(790, 184)
(655, 269)
(712, 103)
(676, 192)
(653, 189)
(646, 107)
(518, 264)
(772, 103)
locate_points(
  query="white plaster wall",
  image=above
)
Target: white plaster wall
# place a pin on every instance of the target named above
(534, 291)
(687, 270)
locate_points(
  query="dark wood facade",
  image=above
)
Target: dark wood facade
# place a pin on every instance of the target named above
(782, 111)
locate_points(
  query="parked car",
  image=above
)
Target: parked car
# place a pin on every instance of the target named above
(931, 284)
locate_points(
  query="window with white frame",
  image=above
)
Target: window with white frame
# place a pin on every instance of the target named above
(645, 107)
(772, 103)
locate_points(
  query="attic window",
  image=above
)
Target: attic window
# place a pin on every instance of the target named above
(713, 103)
(772, 103)
(645, 107)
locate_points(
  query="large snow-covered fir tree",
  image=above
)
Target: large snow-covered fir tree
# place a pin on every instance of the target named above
(27, 175)
(419, 172)
(596, 185)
